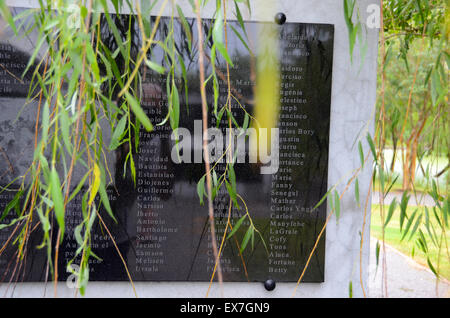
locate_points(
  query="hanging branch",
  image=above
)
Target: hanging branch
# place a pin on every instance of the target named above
(205, 139)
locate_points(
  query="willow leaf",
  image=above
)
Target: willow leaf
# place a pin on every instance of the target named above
(236, 226)
(139, 112)
(57, 198)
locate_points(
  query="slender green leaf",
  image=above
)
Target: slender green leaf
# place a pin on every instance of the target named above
(201, 189)
(139, 112)
(246, 238)
(155, 66)
(361, 154)
(236, 226)
(357, 192)
(408, 225)
(372, 147)
(337, 204)
(390, 212)
(57, 198)
(118, 132)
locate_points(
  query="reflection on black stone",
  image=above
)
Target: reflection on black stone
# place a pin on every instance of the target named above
(162, 231)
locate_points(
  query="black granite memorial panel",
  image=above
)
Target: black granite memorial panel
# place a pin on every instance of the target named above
(162, 229)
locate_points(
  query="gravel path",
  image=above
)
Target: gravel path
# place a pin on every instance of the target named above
(405, 277)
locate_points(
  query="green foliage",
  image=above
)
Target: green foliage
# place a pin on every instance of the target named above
(355, 28)
(413, 119)
(420, 245)
(412, 18)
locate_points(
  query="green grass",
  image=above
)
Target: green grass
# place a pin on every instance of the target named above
(393, 237)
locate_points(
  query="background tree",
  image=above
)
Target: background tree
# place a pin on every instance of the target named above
(414, 84)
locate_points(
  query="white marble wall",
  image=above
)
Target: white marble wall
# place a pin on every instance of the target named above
(352, 111)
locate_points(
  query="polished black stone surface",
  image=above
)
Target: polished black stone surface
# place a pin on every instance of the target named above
(162, 230)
